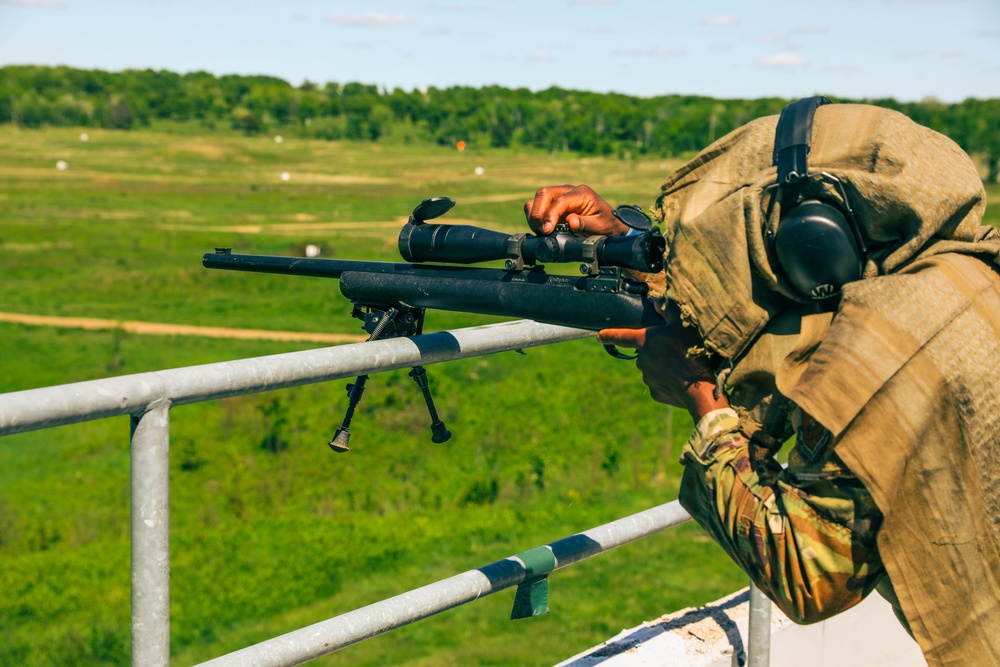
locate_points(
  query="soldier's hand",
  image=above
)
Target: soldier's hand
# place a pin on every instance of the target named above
(586, 212)
(673, 375)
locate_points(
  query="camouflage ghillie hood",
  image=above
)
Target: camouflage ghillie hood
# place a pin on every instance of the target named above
(914, 193)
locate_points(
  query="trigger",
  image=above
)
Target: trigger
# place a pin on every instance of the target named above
(616, 353)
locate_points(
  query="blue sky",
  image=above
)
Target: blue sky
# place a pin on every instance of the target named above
(907, 49)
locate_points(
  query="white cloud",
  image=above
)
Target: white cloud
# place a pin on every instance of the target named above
(772, 37)
(722, 19)
(541, 57)
(369, 20)
(781, 60)
(811, 30)
(650, 53)
(842, 69)
(907, 55)
(35, 4)
(455, 8)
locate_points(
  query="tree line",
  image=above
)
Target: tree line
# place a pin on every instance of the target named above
(553, 120)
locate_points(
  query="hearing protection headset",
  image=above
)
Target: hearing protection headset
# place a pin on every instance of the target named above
(817, 243)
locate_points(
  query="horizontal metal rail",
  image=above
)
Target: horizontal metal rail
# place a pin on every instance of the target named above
(148, 397)
(133, 394)
(335, 633)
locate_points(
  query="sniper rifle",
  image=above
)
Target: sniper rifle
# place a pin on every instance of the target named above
(392, 298)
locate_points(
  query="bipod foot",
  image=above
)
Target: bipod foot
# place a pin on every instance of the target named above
(340, 440)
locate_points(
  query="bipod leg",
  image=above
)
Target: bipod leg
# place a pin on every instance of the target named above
(356, 389)
(439, 432)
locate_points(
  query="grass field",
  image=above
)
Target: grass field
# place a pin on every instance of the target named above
(270, 530)
(266, 541)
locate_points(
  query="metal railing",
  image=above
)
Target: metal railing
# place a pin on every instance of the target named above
(148, 397)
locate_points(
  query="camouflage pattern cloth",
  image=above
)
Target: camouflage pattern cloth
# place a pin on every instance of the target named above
(806, 536)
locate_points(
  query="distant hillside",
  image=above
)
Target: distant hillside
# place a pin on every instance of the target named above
(551, 120)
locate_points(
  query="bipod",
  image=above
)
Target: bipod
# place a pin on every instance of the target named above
(382, 323)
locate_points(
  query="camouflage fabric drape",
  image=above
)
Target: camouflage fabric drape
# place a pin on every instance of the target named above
(903, 374)
(906, 380)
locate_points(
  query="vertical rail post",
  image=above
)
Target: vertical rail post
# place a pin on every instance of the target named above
(759, 631)
(150, 477)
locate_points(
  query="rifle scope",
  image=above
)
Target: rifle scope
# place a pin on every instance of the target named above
(465, 244)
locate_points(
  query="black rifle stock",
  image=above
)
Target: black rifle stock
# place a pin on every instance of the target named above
(583, 302)
(392, 298)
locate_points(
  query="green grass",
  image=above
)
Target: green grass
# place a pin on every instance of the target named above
(264, 541)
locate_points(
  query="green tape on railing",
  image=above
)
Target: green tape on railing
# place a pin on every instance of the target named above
(532, 596)
(537, 562)
(531, 599)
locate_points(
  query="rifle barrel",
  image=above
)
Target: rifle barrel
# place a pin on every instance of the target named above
(295, 266)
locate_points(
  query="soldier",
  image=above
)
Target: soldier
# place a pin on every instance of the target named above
(854, 303)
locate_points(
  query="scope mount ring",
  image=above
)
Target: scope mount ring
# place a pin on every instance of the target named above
(589, 265)
(515, 256)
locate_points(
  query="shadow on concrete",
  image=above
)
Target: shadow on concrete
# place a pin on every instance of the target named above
(639, 636)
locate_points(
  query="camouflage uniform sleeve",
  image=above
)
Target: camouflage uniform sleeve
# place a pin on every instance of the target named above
(806, 538)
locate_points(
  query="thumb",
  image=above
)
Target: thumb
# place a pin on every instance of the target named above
(634, 338)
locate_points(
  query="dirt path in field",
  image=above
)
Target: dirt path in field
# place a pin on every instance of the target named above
(161, 329)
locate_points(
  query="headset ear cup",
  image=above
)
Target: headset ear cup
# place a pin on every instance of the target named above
(816, 249)
(816, 246)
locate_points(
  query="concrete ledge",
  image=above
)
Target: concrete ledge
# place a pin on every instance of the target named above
(715, 636)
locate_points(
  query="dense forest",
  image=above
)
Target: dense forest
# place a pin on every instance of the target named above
(554, 119)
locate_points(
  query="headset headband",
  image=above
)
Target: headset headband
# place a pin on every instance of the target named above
(793, 138)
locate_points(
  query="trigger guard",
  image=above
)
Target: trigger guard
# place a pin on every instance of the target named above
(616, 353)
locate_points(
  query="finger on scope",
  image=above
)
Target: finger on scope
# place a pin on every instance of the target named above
(588, 225)
(537, 218)
(567, 203)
